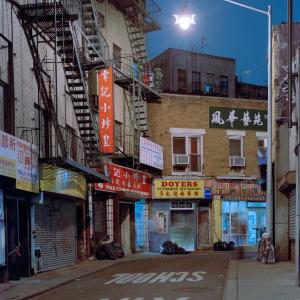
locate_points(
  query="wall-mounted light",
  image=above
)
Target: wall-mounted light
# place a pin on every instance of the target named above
(184, 21)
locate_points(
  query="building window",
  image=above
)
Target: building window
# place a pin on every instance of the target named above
(72, 143)
(118, 136)
(181, 80)
(117, 56)
(242, 221)
(210, 83)
(187, 151)
(2, 110)
(236, 155)
(196, 83)
(101, 19)
(224, 85)
(42, 128)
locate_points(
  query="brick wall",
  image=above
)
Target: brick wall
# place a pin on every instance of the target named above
(184, 111)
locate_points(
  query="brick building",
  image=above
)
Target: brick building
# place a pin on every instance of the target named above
(221, 142)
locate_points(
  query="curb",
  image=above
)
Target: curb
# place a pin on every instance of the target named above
(231, 281)
(78, 277)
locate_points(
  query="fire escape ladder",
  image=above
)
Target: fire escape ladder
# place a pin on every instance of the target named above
(91, 28)
(136, 36)
(44, 92)
(140, 108)
(78, 88)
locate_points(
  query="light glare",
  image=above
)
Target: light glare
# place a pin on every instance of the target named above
(184, 21)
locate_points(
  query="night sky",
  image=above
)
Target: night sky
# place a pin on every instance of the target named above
(222, 29)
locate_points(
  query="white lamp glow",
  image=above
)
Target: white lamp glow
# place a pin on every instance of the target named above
(184, 21)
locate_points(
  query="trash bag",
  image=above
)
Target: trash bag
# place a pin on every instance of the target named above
(224, 246)
(169, 248)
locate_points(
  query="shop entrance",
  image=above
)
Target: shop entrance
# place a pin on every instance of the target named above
(203, 226)
(256, 221)
(182, 229)
(18, 238)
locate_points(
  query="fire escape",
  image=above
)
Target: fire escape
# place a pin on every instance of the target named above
(79, 49)
(140, 18)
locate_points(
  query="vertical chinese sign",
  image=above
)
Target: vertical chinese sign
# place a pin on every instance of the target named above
(106, 110)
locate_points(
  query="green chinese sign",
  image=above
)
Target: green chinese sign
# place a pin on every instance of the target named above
(238, 118)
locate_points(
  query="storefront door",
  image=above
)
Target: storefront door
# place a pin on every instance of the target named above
(256, 223)
(182, 229)
(18, 237)
(203, 226)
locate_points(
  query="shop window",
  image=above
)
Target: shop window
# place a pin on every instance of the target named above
(196, 82)
(118, 136)
(224, 85)
(181, 80)
(187, 151)
(2, 230)
(243, 222)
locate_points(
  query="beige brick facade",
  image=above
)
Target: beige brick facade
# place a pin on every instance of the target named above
(182, 111)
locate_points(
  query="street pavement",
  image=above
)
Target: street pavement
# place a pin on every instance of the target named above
(175, 277)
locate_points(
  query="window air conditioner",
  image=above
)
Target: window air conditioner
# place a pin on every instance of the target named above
(236, 161)
(181, 159)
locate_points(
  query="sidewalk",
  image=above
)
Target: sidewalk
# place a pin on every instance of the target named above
(42, 282)
(248, 279)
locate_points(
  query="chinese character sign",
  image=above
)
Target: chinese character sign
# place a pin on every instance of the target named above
(106, 110)
(238, 118)
(19, 160)
(126, 180)
(178, 189)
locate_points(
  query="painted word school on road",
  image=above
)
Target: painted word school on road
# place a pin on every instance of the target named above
(163, 277)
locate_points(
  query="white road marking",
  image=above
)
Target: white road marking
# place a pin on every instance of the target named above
(162, 277)
(172, 277)
(129, 278)
(117, 277)
(142, 298)
(145, 277)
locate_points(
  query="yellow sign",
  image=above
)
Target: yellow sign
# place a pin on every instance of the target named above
(63, 181)
(178, 189)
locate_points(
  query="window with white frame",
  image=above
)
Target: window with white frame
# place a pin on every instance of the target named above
(236, 149)
(187, 150)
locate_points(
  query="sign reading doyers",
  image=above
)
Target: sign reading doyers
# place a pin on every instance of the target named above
(178, 189)
(151, 154)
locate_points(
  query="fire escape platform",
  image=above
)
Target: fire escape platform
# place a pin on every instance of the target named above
(149, 23)
(126, 82)
(91, 175)
(45, 12)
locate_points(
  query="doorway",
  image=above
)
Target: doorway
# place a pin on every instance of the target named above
(256, 222)
(18, 238)
(203, 226)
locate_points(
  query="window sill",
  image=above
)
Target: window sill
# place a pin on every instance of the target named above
(187, 173)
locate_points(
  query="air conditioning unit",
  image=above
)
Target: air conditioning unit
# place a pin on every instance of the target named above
(181, 159)
(236, 161)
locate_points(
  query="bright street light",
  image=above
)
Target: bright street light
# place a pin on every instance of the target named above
(184, 21)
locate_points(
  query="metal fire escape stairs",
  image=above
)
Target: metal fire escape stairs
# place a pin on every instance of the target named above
(138, 46)
(61, 29)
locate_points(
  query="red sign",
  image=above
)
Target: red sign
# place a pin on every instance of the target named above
(126, 180)
(106, 110)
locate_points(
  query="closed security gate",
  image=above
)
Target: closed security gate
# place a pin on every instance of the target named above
(292, 215)
(55, 228)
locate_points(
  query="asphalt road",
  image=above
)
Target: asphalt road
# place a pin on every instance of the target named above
(176, 277)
